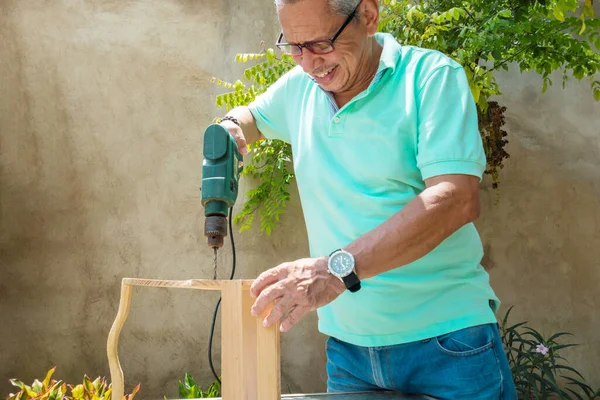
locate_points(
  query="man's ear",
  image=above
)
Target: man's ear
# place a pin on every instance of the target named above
(370, 16)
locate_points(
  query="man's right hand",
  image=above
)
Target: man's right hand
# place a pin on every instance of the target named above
(247, 132)
(237, 134)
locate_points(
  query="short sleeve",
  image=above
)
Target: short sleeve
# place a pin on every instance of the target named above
(448, 140)
(269, 110)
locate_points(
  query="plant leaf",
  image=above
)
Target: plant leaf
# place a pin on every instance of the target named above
(575, 393)
(88, 385)
(46, 381)
(563, 346)
(17, 383)
(556, 335)
(134, 392)
(77, 392)
(565, 367)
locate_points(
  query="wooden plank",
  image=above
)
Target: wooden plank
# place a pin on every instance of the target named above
(268, 372)
(112, 346)
(203, 284)
(250, 356)
(232, 342)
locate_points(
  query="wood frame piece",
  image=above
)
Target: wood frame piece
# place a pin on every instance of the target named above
(250, 353)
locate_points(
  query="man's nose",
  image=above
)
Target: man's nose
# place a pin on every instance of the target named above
(308, 61)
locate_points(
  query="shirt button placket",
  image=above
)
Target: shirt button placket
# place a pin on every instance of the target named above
(336, 126)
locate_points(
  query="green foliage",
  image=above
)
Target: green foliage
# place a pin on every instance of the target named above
(487, 36)
(539, 371)
(270, 166)
(188, 389)
(484, 36)
(50, 389)
(47, 389)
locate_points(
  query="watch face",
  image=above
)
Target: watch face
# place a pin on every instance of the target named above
(341, 264)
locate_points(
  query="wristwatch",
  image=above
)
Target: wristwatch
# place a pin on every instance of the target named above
(341, 264)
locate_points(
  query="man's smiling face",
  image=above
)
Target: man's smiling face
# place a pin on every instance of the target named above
(311, 20)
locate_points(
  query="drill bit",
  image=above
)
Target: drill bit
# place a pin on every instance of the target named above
(215, 263)
(215, 229)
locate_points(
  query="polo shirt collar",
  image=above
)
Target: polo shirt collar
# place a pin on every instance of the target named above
(390, 53)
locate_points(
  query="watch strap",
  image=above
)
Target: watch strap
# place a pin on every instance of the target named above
(352, 282)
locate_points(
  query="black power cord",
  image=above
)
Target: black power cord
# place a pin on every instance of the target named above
(212, 327)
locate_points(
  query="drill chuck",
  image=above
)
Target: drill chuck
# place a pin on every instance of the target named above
(215, 229)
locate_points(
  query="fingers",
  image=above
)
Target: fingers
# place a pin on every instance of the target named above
(241, 142)
(268, 296)
(282, 306)
(236, 132)
(265, 279)
(293, 318)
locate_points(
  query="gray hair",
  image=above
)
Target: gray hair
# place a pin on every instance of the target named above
(340, 7)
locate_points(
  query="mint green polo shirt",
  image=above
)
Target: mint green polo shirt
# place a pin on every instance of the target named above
(357, 166)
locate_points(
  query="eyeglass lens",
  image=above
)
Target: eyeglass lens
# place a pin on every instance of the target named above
(323, 47)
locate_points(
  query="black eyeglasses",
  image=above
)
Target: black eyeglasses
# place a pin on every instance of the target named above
(316, 46)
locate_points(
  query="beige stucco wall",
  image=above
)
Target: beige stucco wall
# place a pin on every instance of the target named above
(102, 112)
(101, 117)
(543, 236)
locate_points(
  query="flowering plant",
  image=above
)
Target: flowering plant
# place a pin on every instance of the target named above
(539, 370)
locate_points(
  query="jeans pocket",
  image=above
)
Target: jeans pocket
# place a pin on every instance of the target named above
(466, 342)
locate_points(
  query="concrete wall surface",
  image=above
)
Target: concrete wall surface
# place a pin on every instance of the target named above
(102, 112)
(542, 237)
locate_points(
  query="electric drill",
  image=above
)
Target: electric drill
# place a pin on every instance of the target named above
(220, 176)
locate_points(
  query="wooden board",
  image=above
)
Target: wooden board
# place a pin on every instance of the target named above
(112, 345)
(233, 384)
(268, 375)
(250, 354)
(202, 284)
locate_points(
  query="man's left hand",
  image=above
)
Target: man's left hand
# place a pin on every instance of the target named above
(297, 287)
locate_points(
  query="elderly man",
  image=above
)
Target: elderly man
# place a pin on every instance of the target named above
(388, 160)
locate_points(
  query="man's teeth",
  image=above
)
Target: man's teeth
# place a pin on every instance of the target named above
(324, 74)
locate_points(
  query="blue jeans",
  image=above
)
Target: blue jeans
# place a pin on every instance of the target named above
(466, 364)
